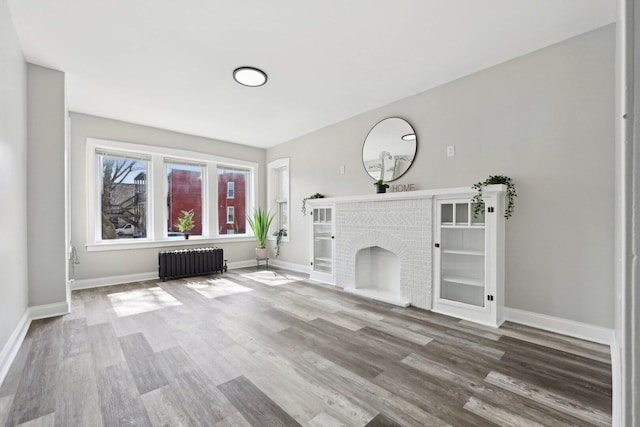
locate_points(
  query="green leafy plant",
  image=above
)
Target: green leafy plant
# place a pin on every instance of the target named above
(494, 179)
(260, 222)
(279, 235)
(304, 201)
(185, 222)
(381, 183)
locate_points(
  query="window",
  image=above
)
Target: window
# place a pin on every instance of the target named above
(123, 196)
(230, 215)
(139, 193)
(236, 178)
(278, 193)
(184, 194)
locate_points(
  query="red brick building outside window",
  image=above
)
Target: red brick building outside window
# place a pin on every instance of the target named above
(184, 193)
(232, 184)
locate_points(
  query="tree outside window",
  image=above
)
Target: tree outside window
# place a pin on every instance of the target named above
(123, 209)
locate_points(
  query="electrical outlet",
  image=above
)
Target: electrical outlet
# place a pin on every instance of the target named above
(342, 169)
(451, 150)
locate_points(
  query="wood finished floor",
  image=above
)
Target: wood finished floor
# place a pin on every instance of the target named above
(270, 349)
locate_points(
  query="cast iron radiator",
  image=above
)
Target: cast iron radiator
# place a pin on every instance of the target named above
(190, 262)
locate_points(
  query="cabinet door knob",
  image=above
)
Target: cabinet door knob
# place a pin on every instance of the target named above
(437, 245)
(333, 237)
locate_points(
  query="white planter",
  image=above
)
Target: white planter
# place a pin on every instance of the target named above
(261, 253)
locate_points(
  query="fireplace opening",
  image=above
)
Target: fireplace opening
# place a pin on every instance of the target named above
(378, 270)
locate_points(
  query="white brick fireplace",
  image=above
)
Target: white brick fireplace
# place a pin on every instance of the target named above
(397, 223)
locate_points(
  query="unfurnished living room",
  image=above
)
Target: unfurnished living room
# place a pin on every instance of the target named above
(338, 213)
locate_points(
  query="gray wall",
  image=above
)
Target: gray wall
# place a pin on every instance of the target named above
(13, 178)
(545, 119)
(47, 117)
(134, 261)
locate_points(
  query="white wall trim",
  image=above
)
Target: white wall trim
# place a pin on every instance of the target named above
(616, 384)
(112, 280)
(299, 268)
(12, 346)
(138, 277)
(242, 264)
(50, 310)
(562, 326)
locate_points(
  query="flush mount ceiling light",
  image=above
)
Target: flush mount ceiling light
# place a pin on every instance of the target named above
(250, 76)
(409, 137)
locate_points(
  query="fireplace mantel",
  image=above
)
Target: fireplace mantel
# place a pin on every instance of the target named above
(401, 195)
(401, 223)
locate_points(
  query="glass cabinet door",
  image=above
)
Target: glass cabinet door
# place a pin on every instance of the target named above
(323, 240)
(462, 248)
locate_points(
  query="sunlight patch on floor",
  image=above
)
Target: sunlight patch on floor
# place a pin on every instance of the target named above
(271, 278)
(214, 288)
(141, 300)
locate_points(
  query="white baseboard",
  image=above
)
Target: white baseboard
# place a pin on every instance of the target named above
(290, 266)
(241, 264)
(12, 346)
(50, 310)
(616, 384)
(137, 277)
(571, 328)
(10, 350)
(112, 280)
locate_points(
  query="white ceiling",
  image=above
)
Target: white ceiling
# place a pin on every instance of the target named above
(169, 63)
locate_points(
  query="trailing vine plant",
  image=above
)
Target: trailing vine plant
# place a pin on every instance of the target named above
(494, 179)
(279, 235)
(304, 201)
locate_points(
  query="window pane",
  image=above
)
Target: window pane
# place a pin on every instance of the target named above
(239, 178)
(231, 190)
(230, 215)
(184, 193)
(283, 216)
(123, 203)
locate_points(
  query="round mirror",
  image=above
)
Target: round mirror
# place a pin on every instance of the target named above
(389, 149)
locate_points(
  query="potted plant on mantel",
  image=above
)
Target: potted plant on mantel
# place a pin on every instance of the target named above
(492, 180)
(381, 187)
(260, 222)
(185, 222)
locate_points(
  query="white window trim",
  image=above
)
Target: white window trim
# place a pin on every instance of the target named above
(156, 226)
(271, 205)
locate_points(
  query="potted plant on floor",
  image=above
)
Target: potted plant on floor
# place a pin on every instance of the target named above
(185, 222)
(260, 222)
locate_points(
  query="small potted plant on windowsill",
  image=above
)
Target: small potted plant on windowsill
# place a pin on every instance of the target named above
(260, 222)
(381, 187)
(279, 235)
(185, 222)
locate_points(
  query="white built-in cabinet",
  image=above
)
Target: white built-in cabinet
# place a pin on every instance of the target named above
(469, 257)
(323, 243)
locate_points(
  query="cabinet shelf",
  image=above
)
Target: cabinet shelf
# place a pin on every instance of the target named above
(463, 252)
(322, 244)
(472, 226)
(463, 280)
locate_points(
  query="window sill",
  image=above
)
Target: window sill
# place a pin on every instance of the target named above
(178, 242)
